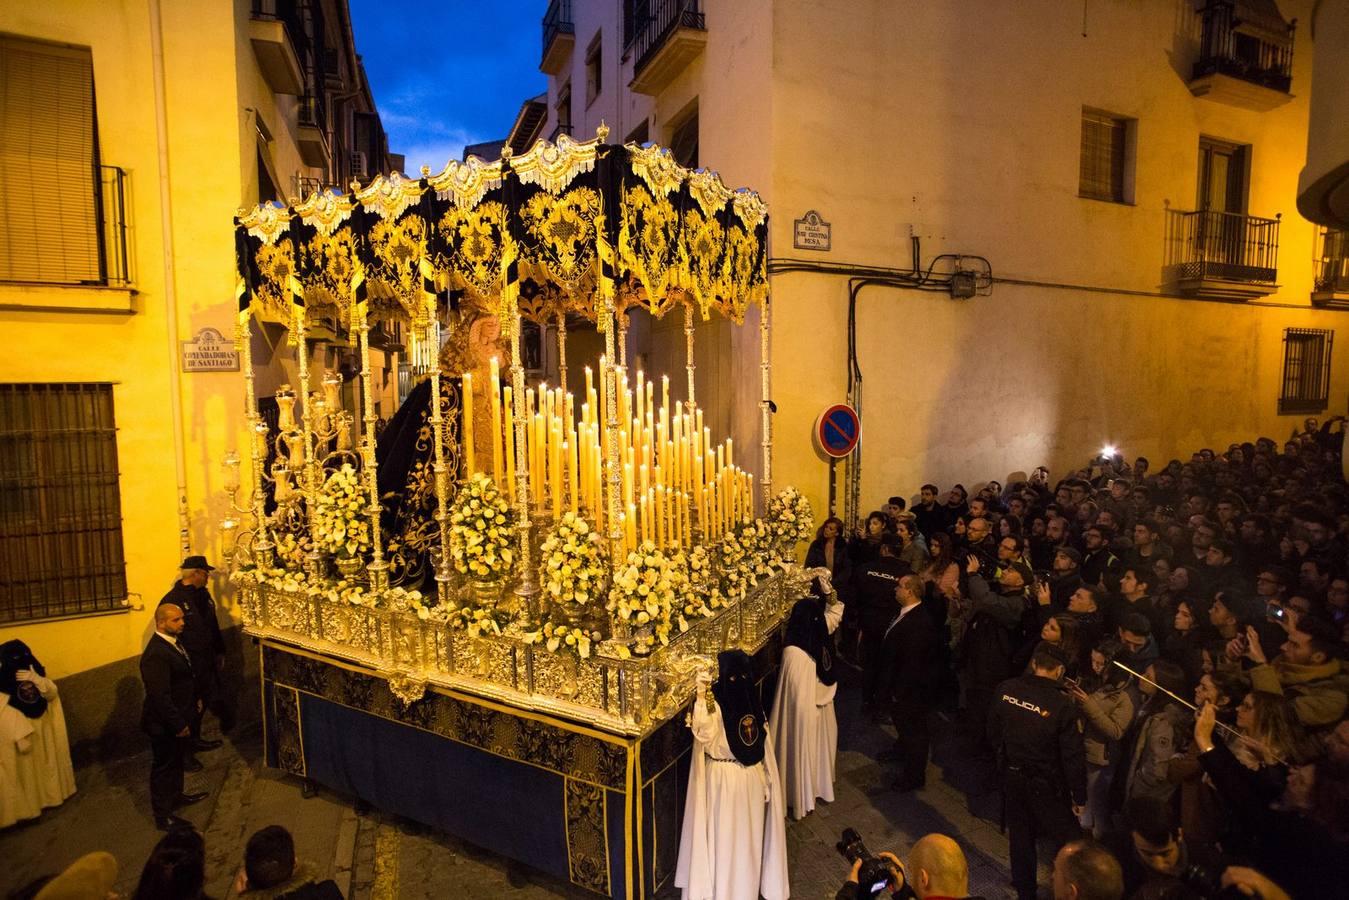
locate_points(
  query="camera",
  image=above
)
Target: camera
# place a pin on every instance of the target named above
(876, 874)
(1202, 881)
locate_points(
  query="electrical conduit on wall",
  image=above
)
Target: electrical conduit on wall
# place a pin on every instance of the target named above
(170, 286)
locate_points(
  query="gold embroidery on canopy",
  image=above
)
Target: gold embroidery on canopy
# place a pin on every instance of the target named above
(701, 255)
(325, 211)
(276, 273)
(466, 183)
(707, 188)
(657, 167)
(560, 232)
(647, 245)
(473, 241)
(265, 222)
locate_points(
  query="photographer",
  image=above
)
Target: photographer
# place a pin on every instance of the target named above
(937, 869)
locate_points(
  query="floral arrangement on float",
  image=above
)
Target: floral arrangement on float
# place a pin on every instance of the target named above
(575, 564)
(339, 519)
(698, 595)
(735, 566)
(790, 519)
(481, 531)
(643, 592)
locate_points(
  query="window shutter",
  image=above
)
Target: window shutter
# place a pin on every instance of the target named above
(49, 203)
(1102, 167)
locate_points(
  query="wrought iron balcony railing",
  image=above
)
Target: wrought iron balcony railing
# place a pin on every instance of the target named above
(557, 20)
(1207, 245)
(662, 18)
(1244, 42)
(1332, 262)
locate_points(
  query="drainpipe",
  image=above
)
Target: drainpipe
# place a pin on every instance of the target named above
(170, 287)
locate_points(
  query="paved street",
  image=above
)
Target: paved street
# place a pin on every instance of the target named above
(374, 855)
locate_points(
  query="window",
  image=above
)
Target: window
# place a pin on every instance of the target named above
(1306, 370)
(638, 135)
(60, 508)
(594, 70)
(684, 140)
(1104, 170)
(563, 109)
(51, 215)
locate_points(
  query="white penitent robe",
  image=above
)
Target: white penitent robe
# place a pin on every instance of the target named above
(803, 727)
(35, 769)
(734, 844)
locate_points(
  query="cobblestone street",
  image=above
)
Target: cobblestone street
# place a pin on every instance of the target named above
(375, 855)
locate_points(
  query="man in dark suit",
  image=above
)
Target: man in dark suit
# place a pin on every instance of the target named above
(205, 648)
(909, 651)
(170, 704)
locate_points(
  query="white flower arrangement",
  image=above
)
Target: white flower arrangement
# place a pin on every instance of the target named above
(761, 549)
(790, 519)
(644, 591)
(696, 596)
(560, 638)
(292, 548)
(735, 566)
(575, 562)
(339, 514)
(482, 542)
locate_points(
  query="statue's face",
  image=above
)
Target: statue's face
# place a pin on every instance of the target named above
(485, 339)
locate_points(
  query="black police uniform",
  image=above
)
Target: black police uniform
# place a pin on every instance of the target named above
(1039, 735)
(874, 593)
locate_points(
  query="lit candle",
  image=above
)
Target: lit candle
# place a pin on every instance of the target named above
(507, 401)
(661, 522)
(570, 450)
(627, 484)
(555, 467)
(498, 469)
(630, 533)
(641, 393)
(646, 519)
(468, 424)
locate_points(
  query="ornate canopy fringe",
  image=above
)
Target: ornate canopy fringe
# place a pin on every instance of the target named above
(534, 229)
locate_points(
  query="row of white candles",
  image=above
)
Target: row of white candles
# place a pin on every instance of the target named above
(671, 470)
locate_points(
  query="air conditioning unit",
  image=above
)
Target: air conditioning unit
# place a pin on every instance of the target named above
(359, 165)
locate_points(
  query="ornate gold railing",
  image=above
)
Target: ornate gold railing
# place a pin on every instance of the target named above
(623, 696)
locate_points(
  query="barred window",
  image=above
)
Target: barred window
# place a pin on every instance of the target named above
(1103, 172)
(1306, 370)
(60, 507)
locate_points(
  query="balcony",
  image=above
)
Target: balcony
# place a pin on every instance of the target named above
(559, 37)
(1331, 269)
(270, 30)
(671, 35)
(311, 134)
(1220, 255)
(1245, 55)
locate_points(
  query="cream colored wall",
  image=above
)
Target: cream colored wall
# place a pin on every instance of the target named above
(900, 115)
(211, 173)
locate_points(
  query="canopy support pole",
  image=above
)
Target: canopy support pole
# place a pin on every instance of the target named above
(562, 351)
(528, 589)
(688, 352)
(312, 480)
(257, 438)
(378, 568)
(765, 402)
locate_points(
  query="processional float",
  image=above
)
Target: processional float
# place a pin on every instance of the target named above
(506, 543)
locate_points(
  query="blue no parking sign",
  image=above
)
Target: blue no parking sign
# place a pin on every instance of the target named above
(837, 430)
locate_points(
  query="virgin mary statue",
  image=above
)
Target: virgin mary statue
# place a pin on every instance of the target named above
(405, 449)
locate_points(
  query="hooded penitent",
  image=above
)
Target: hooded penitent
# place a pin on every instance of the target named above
(807, 629)
(741, 712)
(23, 695)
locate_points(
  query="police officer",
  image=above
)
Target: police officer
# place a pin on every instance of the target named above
(1036, 728)
(874, 593)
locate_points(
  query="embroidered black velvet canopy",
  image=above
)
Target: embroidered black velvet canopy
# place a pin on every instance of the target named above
(549, 230)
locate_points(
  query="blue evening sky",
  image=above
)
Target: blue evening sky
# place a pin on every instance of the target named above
(448, 73)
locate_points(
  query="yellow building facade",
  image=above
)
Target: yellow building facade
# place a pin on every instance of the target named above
(1149, 310)
(195, 108)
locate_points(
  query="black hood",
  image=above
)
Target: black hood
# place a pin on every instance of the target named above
(807, 629)
(741, 712)
(23, 696)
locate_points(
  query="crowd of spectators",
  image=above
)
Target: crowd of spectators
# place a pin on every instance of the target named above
(1202, 611)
